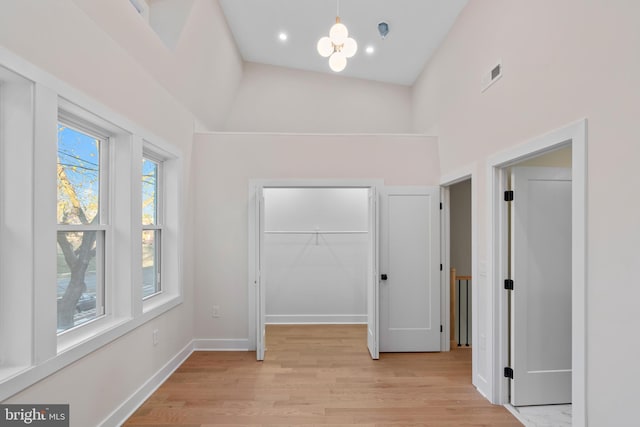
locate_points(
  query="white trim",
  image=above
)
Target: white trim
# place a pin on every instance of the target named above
(19, 65)
(48, 92)
(459, 175)
(220, 344)
(317, 183)
(462, 174)
(35, 373)
(574, 134)
(133, 402)
(315, 319)
(240, 133)
(445, 274)
(515, 413)
(17, 235)
(257, 185)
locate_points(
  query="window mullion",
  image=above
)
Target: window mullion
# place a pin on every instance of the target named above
(80, 228)
(151, 227)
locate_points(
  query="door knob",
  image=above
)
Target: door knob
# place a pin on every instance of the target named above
(383, 277)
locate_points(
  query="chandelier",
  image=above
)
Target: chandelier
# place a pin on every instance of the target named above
(338, 46)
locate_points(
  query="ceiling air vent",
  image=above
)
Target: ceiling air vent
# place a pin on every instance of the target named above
(491, 76)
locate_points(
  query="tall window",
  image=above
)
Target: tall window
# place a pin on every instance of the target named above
(82, 223)
(71, 205)
(151, 227)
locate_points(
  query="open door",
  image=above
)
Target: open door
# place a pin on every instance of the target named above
(260, 276)
(541, 298)
(409, 295)
(372, 280)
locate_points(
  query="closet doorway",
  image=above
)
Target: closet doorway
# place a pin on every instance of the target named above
(316, 243)
(313, 256)
(400, 255)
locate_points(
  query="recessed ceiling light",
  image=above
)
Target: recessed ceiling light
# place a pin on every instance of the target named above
(283, 36)
(369, 50)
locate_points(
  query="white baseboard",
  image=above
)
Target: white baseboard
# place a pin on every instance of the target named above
(314, 319)
(129, 406)
(516, 414)
(221, 344)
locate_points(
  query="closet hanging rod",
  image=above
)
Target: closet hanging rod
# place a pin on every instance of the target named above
(316, 232)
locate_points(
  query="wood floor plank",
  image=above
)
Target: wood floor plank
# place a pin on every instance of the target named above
(321, 375)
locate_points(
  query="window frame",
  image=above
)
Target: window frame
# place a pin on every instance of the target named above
(158, 226)
(17, 238)
(170, 177)
(28, 225)
(102, 228)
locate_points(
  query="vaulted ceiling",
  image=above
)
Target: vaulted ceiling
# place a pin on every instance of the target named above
(416, 29)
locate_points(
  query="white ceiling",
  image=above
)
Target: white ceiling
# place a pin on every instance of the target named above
(416, 29)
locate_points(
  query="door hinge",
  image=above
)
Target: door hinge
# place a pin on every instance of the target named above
(440, 206)
(440, 267)
(508, 373)
(440, 328)
(508, 196)
(508, 284)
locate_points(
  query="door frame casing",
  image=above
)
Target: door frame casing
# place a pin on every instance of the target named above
(463, 174)
(253, 231)
(574, 135)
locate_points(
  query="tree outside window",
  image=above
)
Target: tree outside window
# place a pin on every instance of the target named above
(81, 232)
(151, 228)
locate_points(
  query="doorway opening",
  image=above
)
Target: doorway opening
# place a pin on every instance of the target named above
(316, 245)
(461, 280)
(459, 248)
(539, 308)
(402, 276)
(538, 273)
(311, 256)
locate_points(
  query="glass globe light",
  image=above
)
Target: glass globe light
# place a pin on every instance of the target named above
(350, 47)
(325, 47)
(337, 62)
(338, 33)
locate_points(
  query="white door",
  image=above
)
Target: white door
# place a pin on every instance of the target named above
(372, 278)
(409, 269)
(541, 299)
(261, 276)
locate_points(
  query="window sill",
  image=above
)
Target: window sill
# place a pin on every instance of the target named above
(157, 302)
(85, 333)
(11, 371)
(16, 379)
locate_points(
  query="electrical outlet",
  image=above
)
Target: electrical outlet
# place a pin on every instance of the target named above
(155, 337)
(215, 311)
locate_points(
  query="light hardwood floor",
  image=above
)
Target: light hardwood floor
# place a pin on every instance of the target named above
(319, 376)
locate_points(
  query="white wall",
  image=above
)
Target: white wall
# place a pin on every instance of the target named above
(460, 217)
(316, 278)
(223, 164)
(202, 71)
(168, 18)
(60, 39)
(274, 99)
(561, 61)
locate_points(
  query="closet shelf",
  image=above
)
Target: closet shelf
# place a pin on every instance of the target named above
(316, 232)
